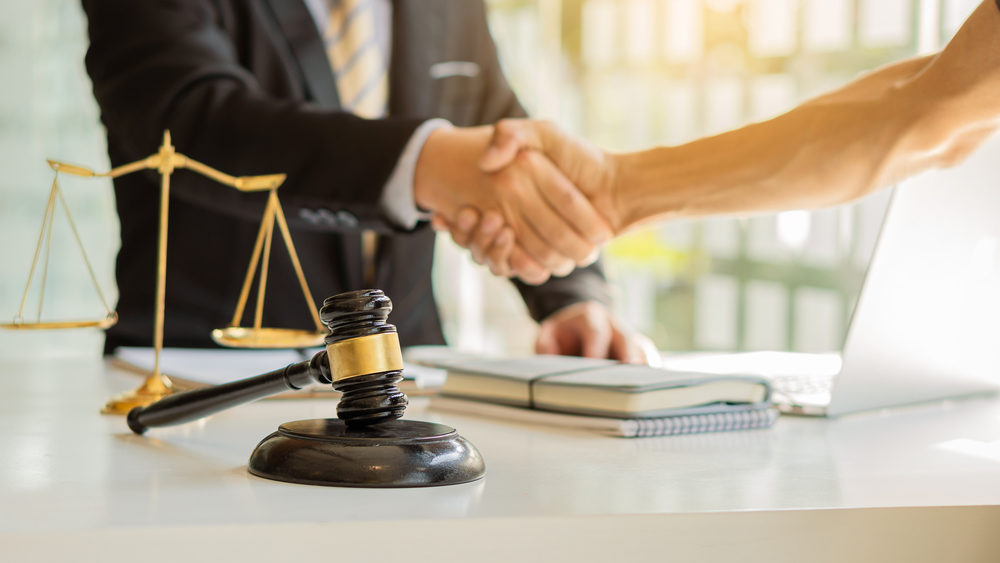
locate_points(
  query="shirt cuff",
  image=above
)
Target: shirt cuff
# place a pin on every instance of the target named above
(397, 201)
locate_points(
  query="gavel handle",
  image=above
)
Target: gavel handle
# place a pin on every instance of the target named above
(199, 403)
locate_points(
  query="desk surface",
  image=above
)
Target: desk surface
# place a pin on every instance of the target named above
(65, 468)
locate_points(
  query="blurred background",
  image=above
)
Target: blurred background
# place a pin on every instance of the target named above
(626, 74)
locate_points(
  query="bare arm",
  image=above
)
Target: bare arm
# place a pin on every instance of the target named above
(899, 120)
(885, 126)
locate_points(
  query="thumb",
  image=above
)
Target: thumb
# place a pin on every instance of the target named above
(509, 138)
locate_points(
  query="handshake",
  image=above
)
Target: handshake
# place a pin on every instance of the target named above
(525, 198)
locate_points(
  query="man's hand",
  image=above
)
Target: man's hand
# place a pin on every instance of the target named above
(488, 232)
(593, 171)
(554, 226)
(591, 330)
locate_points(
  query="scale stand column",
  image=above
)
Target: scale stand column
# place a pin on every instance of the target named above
(157, 385)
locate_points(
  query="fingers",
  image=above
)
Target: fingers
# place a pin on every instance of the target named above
(543, 232)
(439, 224)
(546, 342)
(632, 347)
(596, 340)
(485, 235)
(498, 255)
(590, 329)
(527, 269)
(576, 210)
(462, 229)
(623, 349)
(510, 136)
(578, 329)
(569, 222)
(539, 250)
(500, 252)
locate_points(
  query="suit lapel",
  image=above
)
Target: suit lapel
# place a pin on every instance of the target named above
(299, 28)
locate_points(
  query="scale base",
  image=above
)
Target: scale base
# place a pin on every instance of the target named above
(153, 389)
(395, 454)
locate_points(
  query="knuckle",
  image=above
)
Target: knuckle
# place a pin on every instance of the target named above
(584, 252)
(526, 159)
(566, 199)
(508, 182)
(548, 257)
(482, 239)
(534, 277)
(564, 268)
(570, 246)
(527, 271)
(504, 125)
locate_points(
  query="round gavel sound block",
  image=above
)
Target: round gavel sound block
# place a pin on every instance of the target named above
(368, 445)
(400, 453)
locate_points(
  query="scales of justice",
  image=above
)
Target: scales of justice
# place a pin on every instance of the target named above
(367, 445)
(166, 161)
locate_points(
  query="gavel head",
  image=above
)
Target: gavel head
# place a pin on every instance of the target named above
(366, 362)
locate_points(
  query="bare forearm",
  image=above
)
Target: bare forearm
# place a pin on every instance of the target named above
(889, 124)
(809, 157)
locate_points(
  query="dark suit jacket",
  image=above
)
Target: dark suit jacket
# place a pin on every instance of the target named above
(245, 86)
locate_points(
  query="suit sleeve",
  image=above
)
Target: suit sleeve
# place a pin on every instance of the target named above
(582, 284)
(159, 64)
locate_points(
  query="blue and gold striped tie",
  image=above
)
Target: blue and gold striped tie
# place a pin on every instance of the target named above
(362, 84)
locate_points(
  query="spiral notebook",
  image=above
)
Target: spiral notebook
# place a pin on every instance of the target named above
(708, 418)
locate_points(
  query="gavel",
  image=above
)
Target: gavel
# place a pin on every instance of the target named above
(367, 445)
(362, 360)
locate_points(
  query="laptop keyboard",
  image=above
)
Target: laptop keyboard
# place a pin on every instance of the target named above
(801, 382)
(793, 385)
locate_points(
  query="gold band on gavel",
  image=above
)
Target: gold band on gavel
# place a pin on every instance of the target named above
(364, 355)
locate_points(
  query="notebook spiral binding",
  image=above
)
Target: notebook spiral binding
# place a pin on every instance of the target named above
(761, 417)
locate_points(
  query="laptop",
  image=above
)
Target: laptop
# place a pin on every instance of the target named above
(926, 325)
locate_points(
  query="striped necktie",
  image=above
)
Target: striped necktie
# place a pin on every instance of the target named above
(357, 60)
(362, 83)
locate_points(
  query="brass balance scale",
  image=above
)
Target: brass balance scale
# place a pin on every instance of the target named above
(165, 161)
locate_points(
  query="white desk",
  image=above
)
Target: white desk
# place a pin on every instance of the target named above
(75, 484)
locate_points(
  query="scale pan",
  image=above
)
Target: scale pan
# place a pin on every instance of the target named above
(242, 337)
(105, 323)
